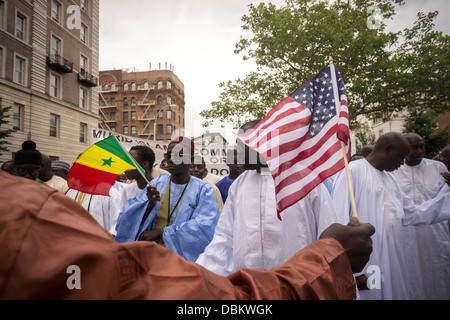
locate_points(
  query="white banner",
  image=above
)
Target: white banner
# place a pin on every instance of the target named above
(211, 147)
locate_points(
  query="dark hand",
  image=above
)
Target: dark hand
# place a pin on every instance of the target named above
(355, 239)
(153, 196)
(152, 235)
(361, 282)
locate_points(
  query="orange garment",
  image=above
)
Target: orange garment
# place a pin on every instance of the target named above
(43, 232)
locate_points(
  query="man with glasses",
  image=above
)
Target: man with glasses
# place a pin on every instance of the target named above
(28, 161)
(178, 210)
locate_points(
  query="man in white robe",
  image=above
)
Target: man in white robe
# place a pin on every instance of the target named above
(421, 180)
(380, 201)
(249, 233)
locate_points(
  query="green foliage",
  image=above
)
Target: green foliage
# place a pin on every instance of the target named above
(4, 133)
(364, 138)
(383, 71)
(424, 124)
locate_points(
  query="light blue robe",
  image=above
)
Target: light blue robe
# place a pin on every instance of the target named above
(193, 228)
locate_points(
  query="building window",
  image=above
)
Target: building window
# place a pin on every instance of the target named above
(55, 46)
(21, 25)
(55, 86)
(125, 130)
(56, 11)
(2, 14)
(125, 86)
(83, 63)
(83, 33)
(160, 85)
(133, 115)
(169, 114)
(113, 86)
(1, 62)
(159, 129)
(54, 125)
(160, 114)
(19, 70)
(106, 87)
(160, 100)
(145, 85)
(133, 101)
(169, 100)
(125, 102)
(84, 98)
(169, 129)
(112, 116)
(169, 85)
(133, 86)
(125, 117)
(133, 130)
(113, 101)
(84, 5)
(18, 117)
(83, 132)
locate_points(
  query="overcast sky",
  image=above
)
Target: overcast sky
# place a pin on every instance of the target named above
(198, 37)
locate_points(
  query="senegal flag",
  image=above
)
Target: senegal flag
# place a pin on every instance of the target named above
(96, 169)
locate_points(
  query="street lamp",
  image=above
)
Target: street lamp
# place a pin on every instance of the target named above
(156, 117)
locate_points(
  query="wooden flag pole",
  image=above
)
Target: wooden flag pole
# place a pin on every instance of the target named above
(126, 152)
(344, 151)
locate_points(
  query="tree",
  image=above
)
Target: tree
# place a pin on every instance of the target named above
(4, 133)
(383, 71)
(424, 124)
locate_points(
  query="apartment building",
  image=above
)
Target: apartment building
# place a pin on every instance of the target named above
(49, 52)
(148, 104)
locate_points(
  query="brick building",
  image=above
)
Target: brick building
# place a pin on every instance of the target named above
(139, 104)
(48, 74)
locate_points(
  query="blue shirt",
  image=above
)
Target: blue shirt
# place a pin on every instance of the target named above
(193, 227)
(223, 186)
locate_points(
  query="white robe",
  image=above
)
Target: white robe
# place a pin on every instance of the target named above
(249, 234)
(102, 208)
(429, 246)
(380, 201)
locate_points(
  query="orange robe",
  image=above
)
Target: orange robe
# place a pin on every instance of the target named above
(43, 233)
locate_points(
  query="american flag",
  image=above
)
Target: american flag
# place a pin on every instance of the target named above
(300, 138)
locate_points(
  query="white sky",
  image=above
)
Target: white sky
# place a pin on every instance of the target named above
(198, 37)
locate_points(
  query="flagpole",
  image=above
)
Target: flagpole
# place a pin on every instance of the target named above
(126, 152)
(344, 151)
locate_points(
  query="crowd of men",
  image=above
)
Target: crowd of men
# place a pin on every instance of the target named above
(229, 226)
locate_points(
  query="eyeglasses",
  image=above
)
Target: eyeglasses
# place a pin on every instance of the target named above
(169, 155)
(24, 171)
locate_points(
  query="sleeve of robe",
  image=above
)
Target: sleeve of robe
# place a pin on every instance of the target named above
(430, 212)
(43, 233)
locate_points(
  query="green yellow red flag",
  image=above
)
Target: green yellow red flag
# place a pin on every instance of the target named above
(96, 169)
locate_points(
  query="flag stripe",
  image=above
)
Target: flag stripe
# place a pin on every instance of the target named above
(95, 158)
(90, 180)
(312, 148)
(280, 122)
(329, 158)
(110, 144)
(302, 191)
